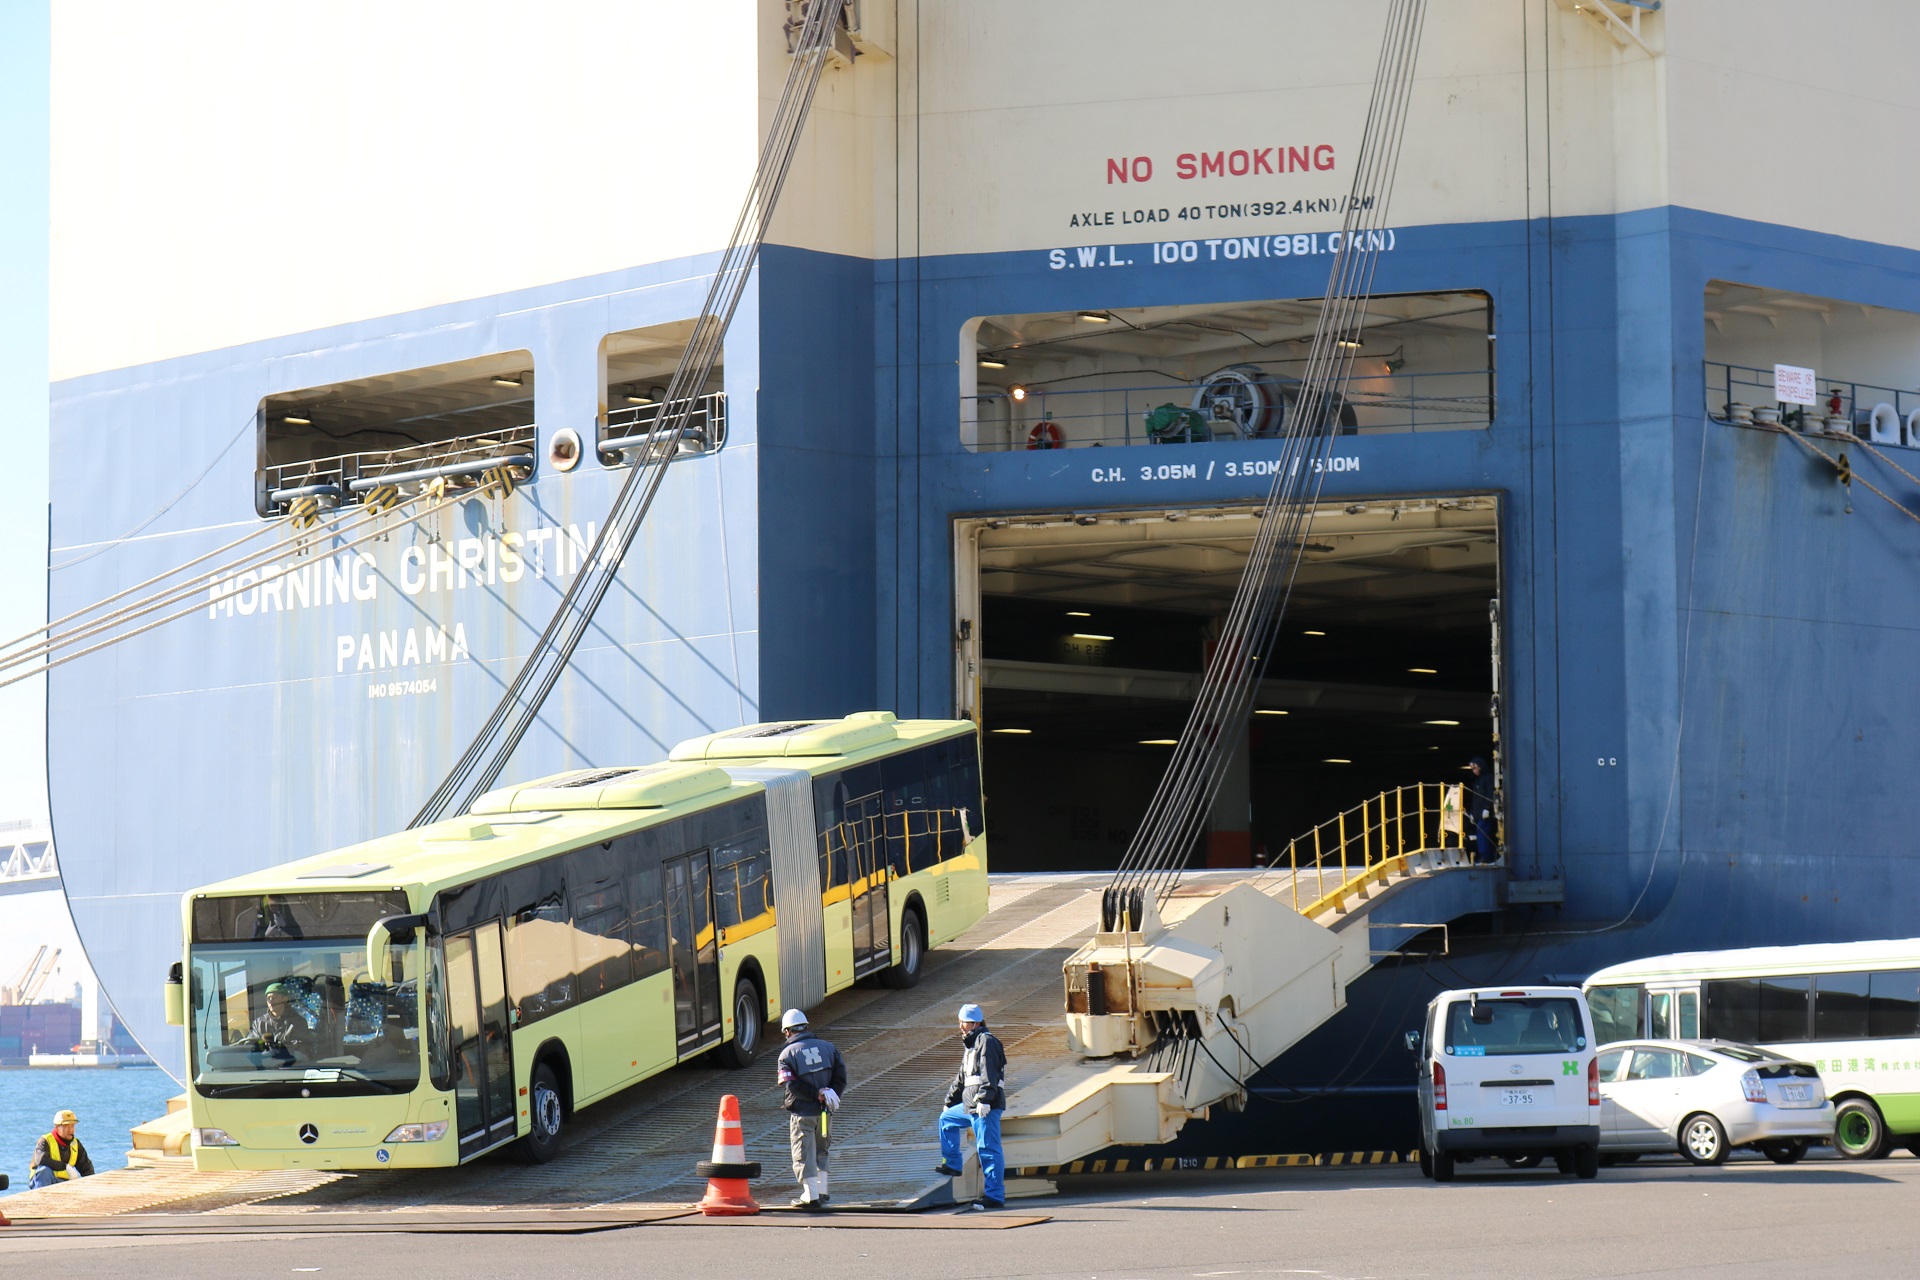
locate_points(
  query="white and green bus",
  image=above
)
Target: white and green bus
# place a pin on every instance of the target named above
(1850, 1008)
(426, 997)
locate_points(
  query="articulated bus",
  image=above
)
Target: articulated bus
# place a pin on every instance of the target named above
(430, 996)
(1850, 1008)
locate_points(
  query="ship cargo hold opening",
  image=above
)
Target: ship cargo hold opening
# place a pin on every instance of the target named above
(1083, 636)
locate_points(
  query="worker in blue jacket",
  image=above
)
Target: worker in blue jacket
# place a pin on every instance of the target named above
(975, 1100)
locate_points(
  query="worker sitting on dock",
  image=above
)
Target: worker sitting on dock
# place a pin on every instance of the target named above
(281, 1027)
(58, 1157)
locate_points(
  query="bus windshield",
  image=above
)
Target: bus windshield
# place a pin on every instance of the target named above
(299, 1019)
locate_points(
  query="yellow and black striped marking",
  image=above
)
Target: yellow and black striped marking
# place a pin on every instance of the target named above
(499, 481)
(304, 512)
(383, 498)
(1201, 1164)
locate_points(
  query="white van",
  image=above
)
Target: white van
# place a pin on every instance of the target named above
(1508, 1072)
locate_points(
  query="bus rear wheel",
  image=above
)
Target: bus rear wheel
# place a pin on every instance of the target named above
(1858, 1131)
(749, 1022)
(546, 1115)
(913, 952)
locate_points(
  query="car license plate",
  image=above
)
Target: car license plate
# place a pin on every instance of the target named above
(1795, 1092)
(1516, 1097)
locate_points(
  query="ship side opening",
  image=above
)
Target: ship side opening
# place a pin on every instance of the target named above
(448, 424)
(636, 367)
(1813, 364)
(1213, 372)
(1084, 636)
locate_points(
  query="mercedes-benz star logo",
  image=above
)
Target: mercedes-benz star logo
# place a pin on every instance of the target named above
(309, 1134)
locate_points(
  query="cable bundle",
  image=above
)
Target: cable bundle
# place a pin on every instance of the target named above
(480, 766)
(1217, 724)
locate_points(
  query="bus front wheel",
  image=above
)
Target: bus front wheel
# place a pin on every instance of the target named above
(913, 952)
(749, 1021)
(546, 1115)
(1858, 1131)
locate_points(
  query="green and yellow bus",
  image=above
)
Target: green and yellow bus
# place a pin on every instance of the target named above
(427, 997)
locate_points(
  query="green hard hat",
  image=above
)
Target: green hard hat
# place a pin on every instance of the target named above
(275, 986)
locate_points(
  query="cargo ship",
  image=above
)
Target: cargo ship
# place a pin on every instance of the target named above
(1623, 500)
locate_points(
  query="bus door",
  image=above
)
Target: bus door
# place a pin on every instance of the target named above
(1673, 1012)
(482, 1040)
(696, 952)
(866, 827)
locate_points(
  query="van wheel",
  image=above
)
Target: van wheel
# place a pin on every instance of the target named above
(1443, 1166)
(1586, 1162)
(1702, 1140)
(913, 953)
(1786, 1151)
(1563, 1161)
(1858, 1131)
(749, 1022)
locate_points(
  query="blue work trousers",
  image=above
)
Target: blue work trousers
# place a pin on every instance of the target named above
(986, 1143)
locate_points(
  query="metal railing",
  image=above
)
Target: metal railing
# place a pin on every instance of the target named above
(1371, 841)
(1743, 396)
(633, 432)
(347, 477)
(1175, 412)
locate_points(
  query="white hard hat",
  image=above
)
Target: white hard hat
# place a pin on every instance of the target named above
(792, 1018)
(972, 1013)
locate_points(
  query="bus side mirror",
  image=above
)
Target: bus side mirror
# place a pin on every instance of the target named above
(388, 932)
(176, 997)
(1413, 1042)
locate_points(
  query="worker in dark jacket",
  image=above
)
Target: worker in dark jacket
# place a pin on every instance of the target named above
(281, 1027)
(813, 1076)
(975, 1100)
(1478, 802)
(58, 1157)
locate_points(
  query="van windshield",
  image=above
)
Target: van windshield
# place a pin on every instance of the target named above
(1542, 1024)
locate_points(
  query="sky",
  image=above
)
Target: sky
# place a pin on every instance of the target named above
(26, 920)
(24, 46)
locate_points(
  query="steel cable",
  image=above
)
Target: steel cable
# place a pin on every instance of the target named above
(1218, 718)
(481, 764)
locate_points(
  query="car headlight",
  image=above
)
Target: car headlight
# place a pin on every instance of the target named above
(431, 1131)
(214, 1138)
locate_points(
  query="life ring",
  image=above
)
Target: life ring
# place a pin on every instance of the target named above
(1045, 435)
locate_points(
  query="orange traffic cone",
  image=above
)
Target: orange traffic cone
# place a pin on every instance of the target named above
(727, 1173)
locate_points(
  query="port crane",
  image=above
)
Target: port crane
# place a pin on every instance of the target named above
(26, 989)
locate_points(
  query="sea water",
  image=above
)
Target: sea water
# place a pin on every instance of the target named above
(108, 1100)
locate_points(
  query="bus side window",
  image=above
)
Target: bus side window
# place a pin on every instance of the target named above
(648, 930)
(1616, 1012)
(741, 892)
(601, 926)
(963, 782)
(1893, 1000)
(540, 959)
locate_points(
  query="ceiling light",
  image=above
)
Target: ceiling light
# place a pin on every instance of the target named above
(1076, 613)
(1313, 633)
(1017, 391)
(506, 379)
(1159, 742)
(1451, 724)
(639, 397)
(295, 420)
(1009, 731)
(1335, 760)
(1096, 317)
(992, 362)
(1264, 712)
(1082, 635)
(1423, 671)
(1349, 344)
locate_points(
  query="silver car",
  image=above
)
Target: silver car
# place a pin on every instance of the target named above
(1704, 1098)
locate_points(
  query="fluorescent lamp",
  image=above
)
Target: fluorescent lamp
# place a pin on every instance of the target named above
(1349, 344)
(1451, 724)
(506, 379)
(639, 397)
(1159, 742)
(295, 420)
(1009, 731)
(1422, 671)
(1078, 613)
(1335, 760)
(1313, 633)
(1264, 712)
(1084, 635)
(992, 362)
(1096, 317)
